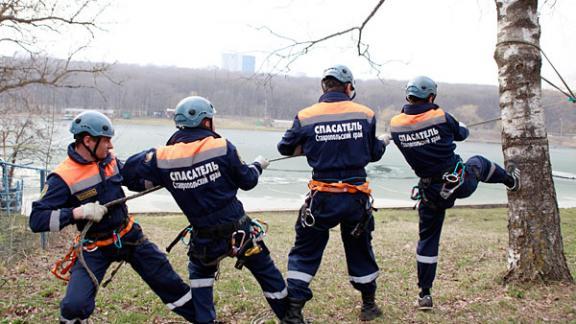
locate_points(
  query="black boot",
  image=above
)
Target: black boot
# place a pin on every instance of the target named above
(369, 308)
(294, 312)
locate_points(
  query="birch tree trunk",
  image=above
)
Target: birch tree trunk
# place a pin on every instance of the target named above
(535, 251)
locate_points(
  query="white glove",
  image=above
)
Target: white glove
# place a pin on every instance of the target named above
(264, 163)
(386, 138)
(92, 211)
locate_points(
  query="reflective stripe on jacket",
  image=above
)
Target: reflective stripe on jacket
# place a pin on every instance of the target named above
(202, 171)
(73, 183)
(425, 135)
(337, 136)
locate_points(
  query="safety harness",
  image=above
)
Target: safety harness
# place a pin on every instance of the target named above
(242, 244)
(338, 187)
(307, 218)
(450, 180)
(61, 268)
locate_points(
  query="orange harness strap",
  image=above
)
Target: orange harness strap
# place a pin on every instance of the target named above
(338, 187)
(111, 240)
(61, 268)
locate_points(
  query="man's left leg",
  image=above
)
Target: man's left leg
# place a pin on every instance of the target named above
(270, 280)
(429, 230)
(490, 172)
(155, 269)
(362, 268)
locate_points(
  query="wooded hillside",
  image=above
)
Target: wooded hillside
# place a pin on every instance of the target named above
(142, 90)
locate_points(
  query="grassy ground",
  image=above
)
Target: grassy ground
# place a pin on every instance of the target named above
(467, 289)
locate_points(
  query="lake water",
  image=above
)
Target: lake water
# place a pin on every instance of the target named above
(284, 184)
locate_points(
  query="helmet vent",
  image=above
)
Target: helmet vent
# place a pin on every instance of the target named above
(78, 120)
(192, 112)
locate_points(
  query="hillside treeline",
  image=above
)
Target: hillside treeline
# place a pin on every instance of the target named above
(143, 90)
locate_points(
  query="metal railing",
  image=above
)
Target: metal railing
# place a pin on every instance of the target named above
(12, 192)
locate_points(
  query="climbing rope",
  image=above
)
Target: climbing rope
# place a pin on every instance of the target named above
(569, 93)
(82, 239)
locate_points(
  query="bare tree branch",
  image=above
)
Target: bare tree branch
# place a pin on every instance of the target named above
(287, 55)
(23, 22)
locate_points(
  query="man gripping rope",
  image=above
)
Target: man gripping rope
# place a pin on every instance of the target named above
(425, 135)
(203, 172)
(337, 136)
(74, 195)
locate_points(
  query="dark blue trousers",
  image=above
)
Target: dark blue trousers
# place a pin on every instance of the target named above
(432, 211)
(329, 210)
(146, 259)
(260, 265)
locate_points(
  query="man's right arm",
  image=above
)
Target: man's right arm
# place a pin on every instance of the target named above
(52, 211)
(461, 132)
(140, 171)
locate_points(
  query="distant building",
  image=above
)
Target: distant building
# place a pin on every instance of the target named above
(238, 63)
(70, 113)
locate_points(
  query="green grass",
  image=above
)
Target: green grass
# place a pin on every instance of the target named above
(468, 286)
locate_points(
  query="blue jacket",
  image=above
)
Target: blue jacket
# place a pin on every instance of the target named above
(202, 171)
(73, 183)
(425, 135)
(337, 136)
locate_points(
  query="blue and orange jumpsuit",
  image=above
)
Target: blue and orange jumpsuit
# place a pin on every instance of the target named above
(338, 138)
(75, 182)
(203, 172)
(425, 135)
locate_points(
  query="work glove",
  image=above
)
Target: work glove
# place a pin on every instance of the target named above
(264, 163)
(386, 138)
(92, 211)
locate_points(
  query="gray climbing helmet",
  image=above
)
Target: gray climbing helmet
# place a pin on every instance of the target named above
(190, 111)
(92, 122)
(341, 73)
(421, 87)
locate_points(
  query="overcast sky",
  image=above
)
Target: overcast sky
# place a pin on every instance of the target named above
(448, 40)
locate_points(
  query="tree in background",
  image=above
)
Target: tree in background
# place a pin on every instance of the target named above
(28, 28)
(535, 251)
(535, 248)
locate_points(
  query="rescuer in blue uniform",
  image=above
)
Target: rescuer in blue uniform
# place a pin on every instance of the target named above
(337, 136)
(203, 172)
(74, 194)
(425, 135)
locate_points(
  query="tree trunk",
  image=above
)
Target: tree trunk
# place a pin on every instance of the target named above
(535, 251)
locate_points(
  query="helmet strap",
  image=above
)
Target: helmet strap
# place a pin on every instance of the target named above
(353, 95)
(93, 151)
(350, 91)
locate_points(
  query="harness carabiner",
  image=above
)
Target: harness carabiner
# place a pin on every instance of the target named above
(415, 194)
(456, 177)
(451, 177)
(308, 220)
(233, 241)
(187, 231)
(259, 229)
(117, 240)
